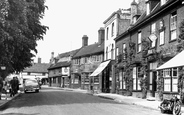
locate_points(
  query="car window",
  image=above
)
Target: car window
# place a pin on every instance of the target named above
(31, 81)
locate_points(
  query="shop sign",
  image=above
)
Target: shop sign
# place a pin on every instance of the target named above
(66, 71)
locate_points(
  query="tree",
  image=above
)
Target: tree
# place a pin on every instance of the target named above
(20, 29)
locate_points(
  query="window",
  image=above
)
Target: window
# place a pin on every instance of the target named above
(107, 53)
(173, 23)
(139, 42)
(124, 51)
(162, 33)
(112, 52)
(163, 2)
(117, 51)
(112, 31)
(107, 33)
(136, 81)
(122, 80)
(170, 80)
(153, 28)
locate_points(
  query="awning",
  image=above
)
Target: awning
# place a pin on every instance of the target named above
(176, 61)
(100, 68)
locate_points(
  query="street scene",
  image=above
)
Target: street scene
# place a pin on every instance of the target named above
(57, 101)
(91, 57)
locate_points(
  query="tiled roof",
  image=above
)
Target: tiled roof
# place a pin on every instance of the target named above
(37, 68)
(60, 64)
(67, 54)
(90, 50)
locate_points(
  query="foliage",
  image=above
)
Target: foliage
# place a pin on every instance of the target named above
(180, 45)
(128, 68)
(20, 28)
(143, 74)
(160, 85)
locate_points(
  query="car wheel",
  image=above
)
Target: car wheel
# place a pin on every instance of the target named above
(25, 91)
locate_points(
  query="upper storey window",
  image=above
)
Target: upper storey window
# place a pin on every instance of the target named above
(163, 2)
(173, 25)
(112, 31)
(107, 33)
(139, 41)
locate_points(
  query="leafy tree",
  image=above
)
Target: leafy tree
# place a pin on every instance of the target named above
(20, 29)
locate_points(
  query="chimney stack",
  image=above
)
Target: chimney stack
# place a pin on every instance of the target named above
(52, 57)
(84, 40)
(39, 60)
(101, 35)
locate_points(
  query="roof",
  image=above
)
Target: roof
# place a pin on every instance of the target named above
(119, 12)
(67, 54)
(37, 68)
(59, 64)
(174, 62)
(145, 18)
(90, 50)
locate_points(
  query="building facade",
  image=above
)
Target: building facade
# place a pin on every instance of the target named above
(60, 69)
(36, 71)
(115, 24)
(86, 61)
(151, 40)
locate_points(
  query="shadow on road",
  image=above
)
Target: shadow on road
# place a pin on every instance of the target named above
(55, 97)
(19, 114)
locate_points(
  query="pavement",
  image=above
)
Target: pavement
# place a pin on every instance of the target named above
(146, 103)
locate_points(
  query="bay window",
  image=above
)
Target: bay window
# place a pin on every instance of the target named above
(170, 80)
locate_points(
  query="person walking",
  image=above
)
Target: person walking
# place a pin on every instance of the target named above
(13, 87)
(1, 86)
(6, 88)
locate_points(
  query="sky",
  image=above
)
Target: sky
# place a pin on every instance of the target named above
(69, 20)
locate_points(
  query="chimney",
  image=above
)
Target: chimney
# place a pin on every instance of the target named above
(84, 40)
(101, 35)
(39, 60)
(134, 11)
(52, 57)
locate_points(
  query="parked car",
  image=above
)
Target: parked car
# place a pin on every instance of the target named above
(31, 85)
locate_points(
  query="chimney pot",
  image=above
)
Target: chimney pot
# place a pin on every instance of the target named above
(84, 40)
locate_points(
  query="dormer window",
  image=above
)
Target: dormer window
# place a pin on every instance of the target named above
(163, 2)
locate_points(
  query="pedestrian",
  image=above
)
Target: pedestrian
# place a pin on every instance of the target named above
(1, 86)
(6, 89)
(13, 87)
(17, 84)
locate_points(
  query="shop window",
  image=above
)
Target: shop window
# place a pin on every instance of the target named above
(170, 80)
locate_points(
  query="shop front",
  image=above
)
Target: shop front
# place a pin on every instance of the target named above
(170, 73)
(102, 76)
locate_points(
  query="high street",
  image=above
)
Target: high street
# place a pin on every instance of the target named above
(51, 101)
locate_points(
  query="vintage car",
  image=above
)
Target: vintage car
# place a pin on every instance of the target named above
(31, 85)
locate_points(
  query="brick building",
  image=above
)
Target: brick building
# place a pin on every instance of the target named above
(154, 32)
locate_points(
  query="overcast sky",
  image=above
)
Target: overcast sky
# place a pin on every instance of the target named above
(69, 20)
